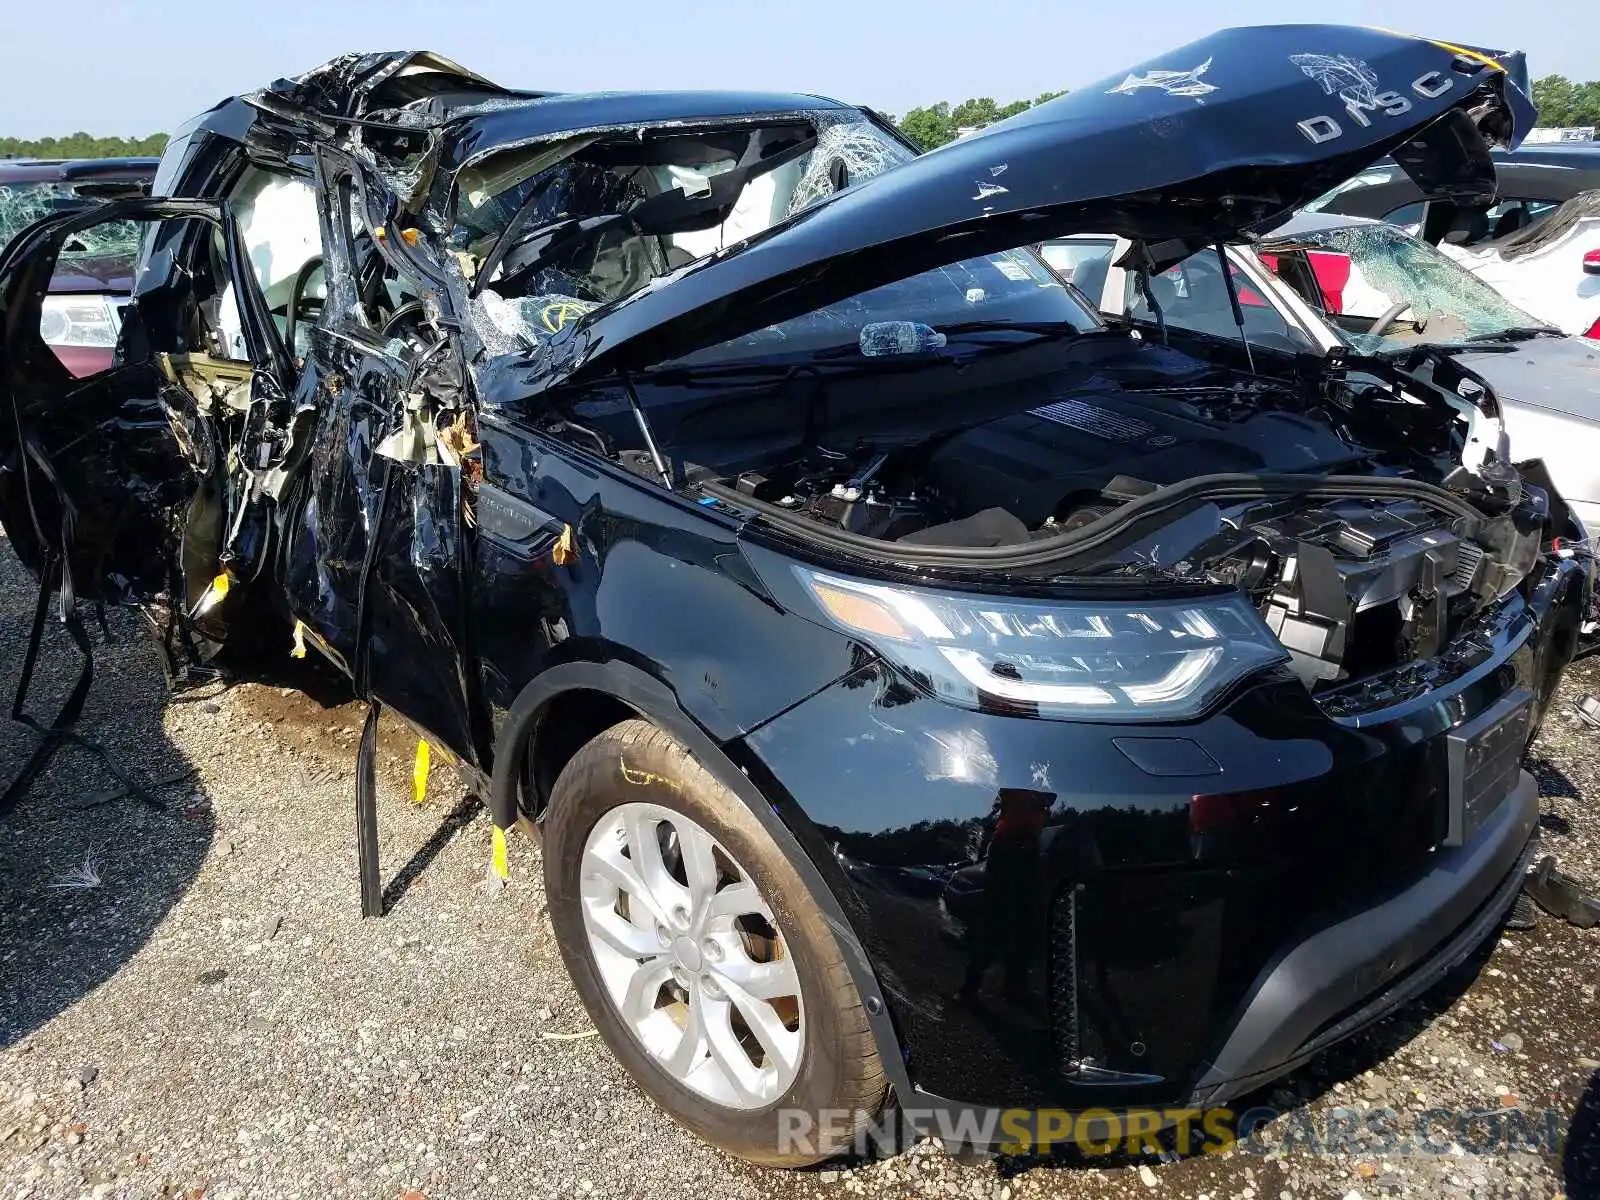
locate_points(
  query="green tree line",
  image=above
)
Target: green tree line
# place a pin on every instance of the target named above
(928, 127)
(1562, 102)
(939, 123)
(83, 145)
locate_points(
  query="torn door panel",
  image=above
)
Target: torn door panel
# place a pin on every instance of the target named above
(100, 480)
(374, 541)
(328, 537)
(103, 464)
(413, 608)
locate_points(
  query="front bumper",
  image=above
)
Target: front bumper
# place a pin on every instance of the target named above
(1186, 911)
(1347, 974)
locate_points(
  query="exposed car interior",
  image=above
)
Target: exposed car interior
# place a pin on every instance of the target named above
(552, 230)
(1194, 296)
(282, 230)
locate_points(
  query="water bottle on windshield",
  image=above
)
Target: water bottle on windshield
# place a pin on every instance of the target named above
(883, 338)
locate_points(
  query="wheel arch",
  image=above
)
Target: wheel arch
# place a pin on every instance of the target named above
(625, 691)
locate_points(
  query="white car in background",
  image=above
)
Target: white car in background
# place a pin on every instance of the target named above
(1323, 284)
(1538, 243)
(1551, 268)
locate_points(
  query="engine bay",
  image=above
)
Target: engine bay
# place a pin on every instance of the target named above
(1350, 584)
(1037, 471)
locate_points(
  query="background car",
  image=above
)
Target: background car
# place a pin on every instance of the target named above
(95, 275)
(1323, 282)
(1538, 243)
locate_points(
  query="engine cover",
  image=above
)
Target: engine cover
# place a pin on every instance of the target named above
(1036, 463)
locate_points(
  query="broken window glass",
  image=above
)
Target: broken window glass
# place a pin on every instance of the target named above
(104, 250)
(1438, 300)
(558, 229)
(848, 151)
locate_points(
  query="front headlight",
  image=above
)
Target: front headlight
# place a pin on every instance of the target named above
(1155, 660)
(79, 321)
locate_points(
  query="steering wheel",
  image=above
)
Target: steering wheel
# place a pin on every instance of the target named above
(1389, 316)
(299, 302)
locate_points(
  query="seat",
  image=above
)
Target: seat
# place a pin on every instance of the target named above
(1510, 222)
(1469, 227)
(762, 202)
(1090, 278)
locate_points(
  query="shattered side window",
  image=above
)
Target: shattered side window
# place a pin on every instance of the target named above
(1438, 300)
(848, 151)
(112, 246)
(594, 219)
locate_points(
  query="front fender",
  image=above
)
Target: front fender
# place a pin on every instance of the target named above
(655, 701)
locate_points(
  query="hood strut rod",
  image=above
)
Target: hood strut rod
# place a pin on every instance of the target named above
(644, 430)
(1141, 277)
(1233, 299)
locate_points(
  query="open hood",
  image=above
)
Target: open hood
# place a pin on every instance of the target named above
(1223, 136)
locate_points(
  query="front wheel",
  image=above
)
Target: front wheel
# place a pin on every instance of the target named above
(701, 955)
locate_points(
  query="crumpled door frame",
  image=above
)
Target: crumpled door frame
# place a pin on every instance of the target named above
(443, 293)
(379, 208)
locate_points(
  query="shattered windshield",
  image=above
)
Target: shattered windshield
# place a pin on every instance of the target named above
(1384, 289)
(556, 230)
(21, 204)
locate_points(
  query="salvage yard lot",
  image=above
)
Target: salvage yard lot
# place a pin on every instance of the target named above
(215, 1015)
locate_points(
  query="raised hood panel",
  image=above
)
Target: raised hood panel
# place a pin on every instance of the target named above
(1225, 135)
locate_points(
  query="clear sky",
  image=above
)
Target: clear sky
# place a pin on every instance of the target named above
(138, 68)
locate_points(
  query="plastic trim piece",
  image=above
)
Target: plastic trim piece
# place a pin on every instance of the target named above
(1407, 942)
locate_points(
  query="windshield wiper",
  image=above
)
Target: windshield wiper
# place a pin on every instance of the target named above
(1041, 328)
(1454, 347)
(1517, 333)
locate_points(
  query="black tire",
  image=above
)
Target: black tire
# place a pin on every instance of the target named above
(839, 1066)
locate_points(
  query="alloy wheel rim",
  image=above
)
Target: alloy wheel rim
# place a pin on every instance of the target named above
(691, 956)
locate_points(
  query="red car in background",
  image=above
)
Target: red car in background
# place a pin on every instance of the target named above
(83, 312)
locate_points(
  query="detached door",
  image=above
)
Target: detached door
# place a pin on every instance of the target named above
(103, 474)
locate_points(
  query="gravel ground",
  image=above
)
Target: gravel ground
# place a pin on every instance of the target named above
(213, 1018)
